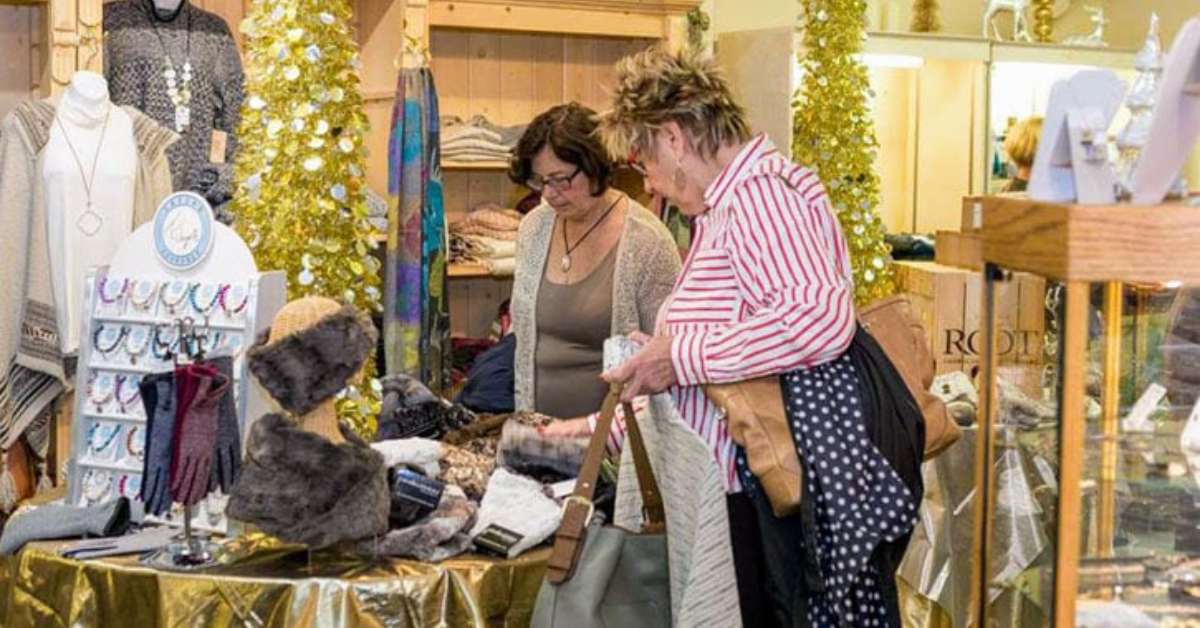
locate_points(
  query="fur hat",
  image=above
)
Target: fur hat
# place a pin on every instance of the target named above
(305, 367)
(302, 488)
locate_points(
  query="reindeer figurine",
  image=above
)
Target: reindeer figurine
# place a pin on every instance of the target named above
(1094, 39)
(1020, 19)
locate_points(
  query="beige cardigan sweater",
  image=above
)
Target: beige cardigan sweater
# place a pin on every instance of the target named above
(32, 369)
(647, 264)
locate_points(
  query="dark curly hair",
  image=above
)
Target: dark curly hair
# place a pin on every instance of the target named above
(570, 131)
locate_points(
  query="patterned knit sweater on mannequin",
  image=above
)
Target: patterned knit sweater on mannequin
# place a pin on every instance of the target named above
(135, 60)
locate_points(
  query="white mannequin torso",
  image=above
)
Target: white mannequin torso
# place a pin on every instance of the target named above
(81, 116)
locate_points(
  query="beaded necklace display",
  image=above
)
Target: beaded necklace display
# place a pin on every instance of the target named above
(205, 309)
(107, 388)
(97, 336)
(148, 296)
(96, 485)
(174, 294)
(135, 446)
(103, 290)
(130, 486)
(122, 401)
(160, 348)
(137, 343)
(231, 312)
(99, 440)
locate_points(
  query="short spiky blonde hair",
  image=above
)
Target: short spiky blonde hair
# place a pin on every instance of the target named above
(656, 86)
(1021, 143)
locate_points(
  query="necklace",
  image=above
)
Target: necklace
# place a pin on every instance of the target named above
(122, 401)
(96, 484)
(174, 294)
(130, 486)
(135, 446)
(137, 343)
(179, 93)
(566, 258)
(105, 385)
(102, 332)
(100, 439)
(160, 348)
(90, 222)
(109, 300)
(144, 294)
(203, 310)
(236, 290)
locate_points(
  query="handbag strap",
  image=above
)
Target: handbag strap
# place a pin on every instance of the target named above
(578, 507)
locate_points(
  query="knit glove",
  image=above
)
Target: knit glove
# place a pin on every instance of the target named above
(227, 458)
(57, 521)
(197, 437)
(158, 395)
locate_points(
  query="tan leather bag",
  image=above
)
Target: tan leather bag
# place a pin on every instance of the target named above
(757, 421)
(894, 326)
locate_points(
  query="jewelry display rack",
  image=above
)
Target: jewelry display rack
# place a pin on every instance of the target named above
(135, 310)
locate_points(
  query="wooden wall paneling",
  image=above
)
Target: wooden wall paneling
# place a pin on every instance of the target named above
(63, 17)
(484, 74)
(377, 24)
(516, 79)
(454, 190)
(39, 52)
(485, 187)
(450, 64)
(547, 71)
(16, 56)
(578, 70)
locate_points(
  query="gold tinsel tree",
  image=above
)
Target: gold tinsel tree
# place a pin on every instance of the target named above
(834, 135)
(301, 202)
(925, 18)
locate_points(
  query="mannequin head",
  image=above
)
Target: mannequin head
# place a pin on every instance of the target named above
(88, 86)
(167, 5)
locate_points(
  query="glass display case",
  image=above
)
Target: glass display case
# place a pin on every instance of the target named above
(1089, 469)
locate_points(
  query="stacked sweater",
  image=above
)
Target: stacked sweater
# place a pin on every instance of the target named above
(477, 139)
(488, 237)
(135, 58)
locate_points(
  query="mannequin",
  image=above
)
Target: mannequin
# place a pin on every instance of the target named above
(167, 10)
(89, 171)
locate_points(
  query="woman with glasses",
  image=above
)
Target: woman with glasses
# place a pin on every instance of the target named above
(591, 263)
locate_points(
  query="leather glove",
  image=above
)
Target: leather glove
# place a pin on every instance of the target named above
(227, 458)
(196, 436)
(158, 396)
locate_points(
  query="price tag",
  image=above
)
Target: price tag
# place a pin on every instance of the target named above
(216, 152)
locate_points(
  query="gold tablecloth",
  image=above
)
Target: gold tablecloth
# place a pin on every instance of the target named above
(261, 582)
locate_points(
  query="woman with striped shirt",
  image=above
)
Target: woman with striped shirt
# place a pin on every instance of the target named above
(766, 290)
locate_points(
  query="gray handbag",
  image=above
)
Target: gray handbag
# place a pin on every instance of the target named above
(602, 575)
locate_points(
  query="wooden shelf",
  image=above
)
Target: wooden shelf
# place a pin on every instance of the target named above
(501, 166)
(574, 17)
(1093, 243)
(470, 271)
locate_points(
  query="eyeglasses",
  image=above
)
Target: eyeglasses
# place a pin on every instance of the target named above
(557, 183)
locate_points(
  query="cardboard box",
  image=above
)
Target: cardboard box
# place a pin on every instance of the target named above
(949, 302)
(962, 250)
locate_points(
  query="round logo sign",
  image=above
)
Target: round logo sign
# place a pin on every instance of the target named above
(183, 230)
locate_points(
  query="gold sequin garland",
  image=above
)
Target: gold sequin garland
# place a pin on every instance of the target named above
(835, 136)
(301, 197)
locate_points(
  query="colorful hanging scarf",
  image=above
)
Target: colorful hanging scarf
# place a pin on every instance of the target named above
(416, 312)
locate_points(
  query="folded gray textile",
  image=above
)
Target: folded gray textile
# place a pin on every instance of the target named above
(58, 521)
(144, 540)
(440, 535)
(454, 127)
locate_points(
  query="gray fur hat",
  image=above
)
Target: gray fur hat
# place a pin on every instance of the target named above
(303, 368)
(302, 488)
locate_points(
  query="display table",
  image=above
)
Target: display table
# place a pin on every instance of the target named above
(262, 582)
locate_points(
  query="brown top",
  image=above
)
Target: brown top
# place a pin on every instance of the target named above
(573, 321)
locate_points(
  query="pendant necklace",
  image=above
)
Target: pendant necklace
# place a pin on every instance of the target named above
(179, 82)
(90, 221)
(569, 248)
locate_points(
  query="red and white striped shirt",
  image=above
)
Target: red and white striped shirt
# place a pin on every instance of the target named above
(766, 287)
